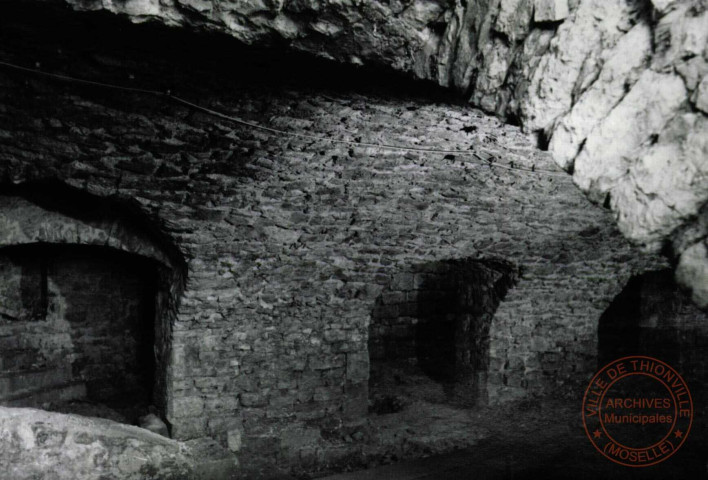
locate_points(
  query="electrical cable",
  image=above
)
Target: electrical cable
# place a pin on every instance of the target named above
(276, 131)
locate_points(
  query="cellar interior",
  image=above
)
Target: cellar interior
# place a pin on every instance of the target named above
(256, 263)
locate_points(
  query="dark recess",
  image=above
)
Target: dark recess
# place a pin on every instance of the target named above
(185, 62)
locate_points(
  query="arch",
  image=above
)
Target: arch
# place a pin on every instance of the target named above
(652, 316)
(433, 321)
(51, 212)
(100, 280)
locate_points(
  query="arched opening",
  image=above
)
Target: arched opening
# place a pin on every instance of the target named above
(82, 322)
(652, 316)
(87, 295)
(431, 324)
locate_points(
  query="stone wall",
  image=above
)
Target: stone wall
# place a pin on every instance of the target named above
(109, 303)
(577, 73)
(289, 241)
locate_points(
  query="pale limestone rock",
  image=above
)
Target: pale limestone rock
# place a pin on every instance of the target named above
(701, 95)
(289, 28)
(514, 18)
(550, 93)
(692, 272)
(667, 185)
(663, 5)
(620, 68)
(197, 5)
(550, 10)
(134, 8)
(38, 444)
(694, 37)
(680, 34)
(489, 84)
(326, 28)
(423, 12)
(611, 147)
(692, 71)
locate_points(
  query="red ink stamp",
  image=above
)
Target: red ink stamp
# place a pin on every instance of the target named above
(637, 411)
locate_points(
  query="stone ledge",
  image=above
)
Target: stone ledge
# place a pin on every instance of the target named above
(40, 444)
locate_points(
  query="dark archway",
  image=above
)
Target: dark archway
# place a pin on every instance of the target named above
(88, 291)
(83, 321)
(434, 321)
(652, 316)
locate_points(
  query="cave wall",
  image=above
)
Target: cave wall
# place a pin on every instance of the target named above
(617, 89)
(288, 242)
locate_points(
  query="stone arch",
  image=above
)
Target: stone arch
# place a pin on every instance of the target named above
(652, 316)
(76, 251)
(434, 319)
(50, 212)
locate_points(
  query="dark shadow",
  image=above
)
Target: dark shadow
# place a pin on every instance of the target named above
(651, 316)
(109, 300)
(87, 321)
(111, 49)
(434, 320)
(87, 327)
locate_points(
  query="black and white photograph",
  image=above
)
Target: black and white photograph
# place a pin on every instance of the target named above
(353, 239)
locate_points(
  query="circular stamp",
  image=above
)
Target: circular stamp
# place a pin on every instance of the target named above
(637, 411)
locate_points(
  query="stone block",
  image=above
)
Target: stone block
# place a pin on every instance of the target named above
(356, 400)
(323, 362)
(402, 282)
(390, 298)
(233, 440)
(188, 428)
(550, 10)
(185, 407)
(253, 400)
(325, 394)
(357, 367)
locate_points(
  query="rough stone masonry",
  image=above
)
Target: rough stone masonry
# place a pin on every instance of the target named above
(617, 89)
(281, 245)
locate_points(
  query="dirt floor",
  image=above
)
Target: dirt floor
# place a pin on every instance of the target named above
(421, 431)
(543, 439)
